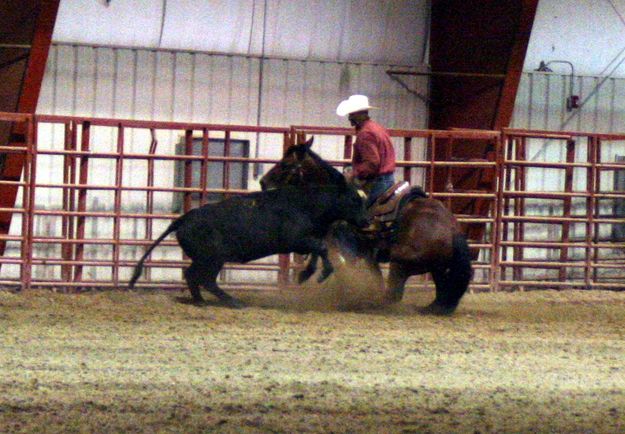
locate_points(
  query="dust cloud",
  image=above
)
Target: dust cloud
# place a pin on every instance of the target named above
(356, 284)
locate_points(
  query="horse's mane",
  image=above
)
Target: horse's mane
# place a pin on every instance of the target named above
(335, 176)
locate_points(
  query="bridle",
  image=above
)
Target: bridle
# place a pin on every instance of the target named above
(296, 174)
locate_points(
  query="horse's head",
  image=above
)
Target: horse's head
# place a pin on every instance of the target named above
(301, 166)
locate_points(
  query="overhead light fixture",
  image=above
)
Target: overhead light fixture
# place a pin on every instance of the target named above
(572, 101)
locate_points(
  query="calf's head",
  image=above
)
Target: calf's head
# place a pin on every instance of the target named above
(352, 206)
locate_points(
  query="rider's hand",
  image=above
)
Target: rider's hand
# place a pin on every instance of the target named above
(348, 173)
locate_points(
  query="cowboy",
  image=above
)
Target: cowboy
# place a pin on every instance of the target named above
(373, 159)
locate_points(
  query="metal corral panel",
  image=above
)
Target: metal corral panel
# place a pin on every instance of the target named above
(182, 86)
(192, 87)
(541, 105)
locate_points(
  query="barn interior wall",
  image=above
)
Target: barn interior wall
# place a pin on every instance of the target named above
(541, 105)
(220, 89)
(183, 86)
(201, 88)
(320, 30)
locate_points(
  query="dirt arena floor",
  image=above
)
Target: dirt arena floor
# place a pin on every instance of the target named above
(311, 361)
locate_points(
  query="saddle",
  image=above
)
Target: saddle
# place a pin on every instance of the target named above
(383, 212)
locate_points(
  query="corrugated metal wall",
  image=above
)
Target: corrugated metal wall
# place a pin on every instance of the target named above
(305, 29)
(541, 105)
(203, 88)
(184, 86)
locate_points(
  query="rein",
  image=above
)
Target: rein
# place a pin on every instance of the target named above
(297, 174)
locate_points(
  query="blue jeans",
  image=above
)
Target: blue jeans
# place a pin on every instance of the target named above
(375, 187)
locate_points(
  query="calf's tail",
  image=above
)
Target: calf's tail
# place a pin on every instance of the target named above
(139, 267)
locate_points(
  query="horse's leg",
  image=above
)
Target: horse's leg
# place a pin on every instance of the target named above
(397, 276)
(207, 275)
(310, 269)
(441, 305)
(452, 283)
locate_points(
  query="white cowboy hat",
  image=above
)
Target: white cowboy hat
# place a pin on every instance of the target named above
(353, 104)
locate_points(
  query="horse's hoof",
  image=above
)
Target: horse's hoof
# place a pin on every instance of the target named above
(235, 304)
(438, 309)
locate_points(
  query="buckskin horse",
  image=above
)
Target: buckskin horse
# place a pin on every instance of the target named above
(426, 235)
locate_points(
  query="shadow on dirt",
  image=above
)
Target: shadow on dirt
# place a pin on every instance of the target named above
(320, 300)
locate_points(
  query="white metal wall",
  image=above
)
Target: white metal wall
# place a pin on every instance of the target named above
(395, 31)
(184, 86)
(196, 87)
(541, 105)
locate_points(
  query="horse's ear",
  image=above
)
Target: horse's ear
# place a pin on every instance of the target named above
(302, 149)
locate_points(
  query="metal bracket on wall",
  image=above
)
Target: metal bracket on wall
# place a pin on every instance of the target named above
(18, 58)
(448, 74)
(422, 97)
(395, 75)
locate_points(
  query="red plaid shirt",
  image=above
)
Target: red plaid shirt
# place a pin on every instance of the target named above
(373, 151)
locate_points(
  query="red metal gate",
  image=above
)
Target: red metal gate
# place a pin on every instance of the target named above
(419, 165)
(66, 231)
(96, 192)
(573, 218)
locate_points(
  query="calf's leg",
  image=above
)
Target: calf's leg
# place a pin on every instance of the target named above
(205, 274)
(209, 281)
(193, 279)
(318, 249)
(310, 269)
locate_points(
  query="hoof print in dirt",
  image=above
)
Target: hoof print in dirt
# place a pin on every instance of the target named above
(235, 304)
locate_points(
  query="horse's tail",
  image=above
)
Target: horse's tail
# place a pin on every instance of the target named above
(460, 272)
(139, 267)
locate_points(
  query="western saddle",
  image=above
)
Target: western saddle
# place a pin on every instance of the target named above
(383, 212)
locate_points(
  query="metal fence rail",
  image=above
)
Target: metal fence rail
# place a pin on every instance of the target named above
(584, 252)
(426, 170)
(79, 162)
(22, 206)
(92, 194)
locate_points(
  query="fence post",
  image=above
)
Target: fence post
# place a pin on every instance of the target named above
(284, 260)
(497, 225)
(119, 170)
(30, 174)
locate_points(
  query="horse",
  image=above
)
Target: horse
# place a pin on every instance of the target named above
(427, 237)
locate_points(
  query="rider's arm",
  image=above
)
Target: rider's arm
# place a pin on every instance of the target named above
(366, 156)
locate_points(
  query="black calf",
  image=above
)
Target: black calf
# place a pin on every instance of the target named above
(252, 226)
